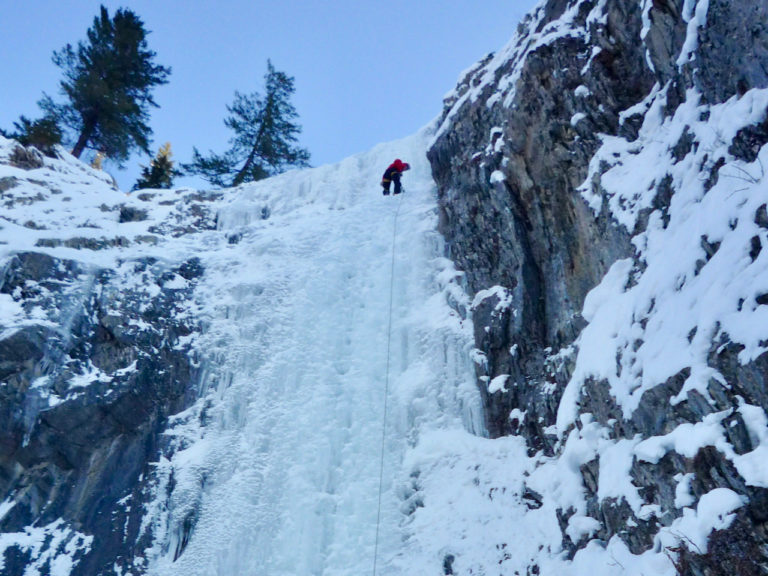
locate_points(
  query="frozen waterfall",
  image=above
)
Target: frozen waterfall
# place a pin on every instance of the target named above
(275, 471)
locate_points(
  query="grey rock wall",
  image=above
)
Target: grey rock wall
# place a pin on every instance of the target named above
(508, 162)
(84, 454)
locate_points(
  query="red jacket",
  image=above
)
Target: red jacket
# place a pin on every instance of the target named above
(397, 166)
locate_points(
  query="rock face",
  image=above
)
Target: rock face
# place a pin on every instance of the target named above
(84, 454)
(94, 358)
(526, 161)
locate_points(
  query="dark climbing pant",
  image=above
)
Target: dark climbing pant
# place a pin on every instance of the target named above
(396, 179)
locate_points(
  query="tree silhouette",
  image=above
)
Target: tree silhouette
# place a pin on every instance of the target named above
(265, 139)
(108, 82)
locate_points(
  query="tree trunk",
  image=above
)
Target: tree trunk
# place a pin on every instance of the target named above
(241, 175)
(82, 140)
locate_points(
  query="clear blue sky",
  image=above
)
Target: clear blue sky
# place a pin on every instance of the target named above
(365, 71)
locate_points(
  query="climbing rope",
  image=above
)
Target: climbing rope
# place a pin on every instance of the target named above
(386, 386)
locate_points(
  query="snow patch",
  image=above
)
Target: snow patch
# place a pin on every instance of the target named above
(498, 384)
(55, 549)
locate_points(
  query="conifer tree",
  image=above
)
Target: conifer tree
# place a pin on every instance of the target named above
(43, 133)
(108, 82)
(265, 136)
(160, 172)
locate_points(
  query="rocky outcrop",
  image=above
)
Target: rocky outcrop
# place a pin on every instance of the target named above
(96, 332)
(85, 398)
(527, 228)
(520, 149)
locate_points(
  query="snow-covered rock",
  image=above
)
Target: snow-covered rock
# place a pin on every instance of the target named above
(96, 309)
(629, 230)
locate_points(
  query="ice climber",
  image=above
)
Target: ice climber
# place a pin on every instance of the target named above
(392, 174)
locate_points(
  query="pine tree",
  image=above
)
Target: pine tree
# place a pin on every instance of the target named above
(108, 83)
(160, 172)
(43, 133)
(265, 139)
